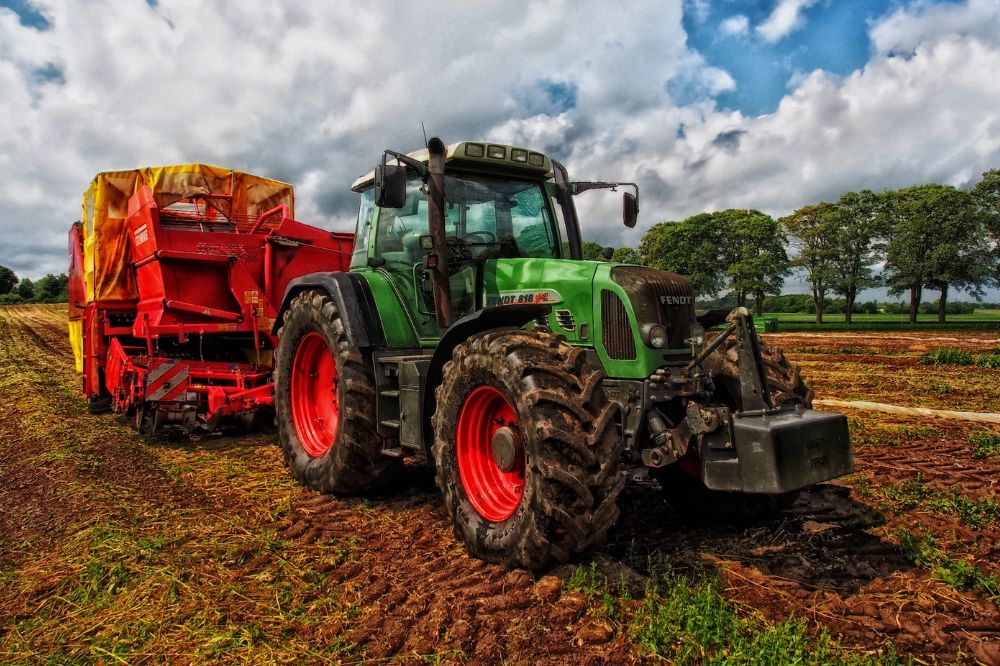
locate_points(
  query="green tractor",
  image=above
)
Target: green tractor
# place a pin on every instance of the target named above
(471, 335)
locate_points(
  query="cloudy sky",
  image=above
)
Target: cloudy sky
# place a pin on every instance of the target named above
(768, 104)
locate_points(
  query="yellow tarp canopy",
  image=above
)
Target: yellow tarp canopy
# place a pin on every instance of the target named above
(107, 271)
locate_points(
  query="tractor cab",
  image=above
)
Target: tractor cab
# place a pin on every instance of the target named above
(500, 203)
(484, 218)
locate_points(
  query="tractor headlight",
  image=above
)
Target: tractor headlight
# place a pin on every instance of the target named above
(655, 334)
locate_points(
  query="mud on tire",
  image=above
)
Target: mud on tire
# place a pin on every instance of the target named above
(353, 463)
(784, 378)
(571, 449)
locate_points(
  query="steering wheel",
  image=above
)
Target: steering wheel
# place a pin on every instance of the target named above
(492, 237)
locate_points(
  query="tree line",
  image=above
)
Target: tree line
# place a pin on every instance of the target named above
(935, 237)
(49, 289)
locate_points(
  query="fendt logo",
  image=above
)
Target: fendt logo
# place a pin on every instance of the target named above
(675, 300)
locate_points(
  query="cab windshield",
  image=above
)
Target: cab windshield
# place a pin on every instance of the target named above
(484, 218)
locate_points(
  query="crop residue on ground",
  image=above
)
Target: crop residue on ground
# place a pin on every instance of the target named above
(119, 550)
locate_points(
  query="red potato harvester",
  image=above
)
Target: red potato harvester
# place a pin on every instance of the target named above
(176, 276)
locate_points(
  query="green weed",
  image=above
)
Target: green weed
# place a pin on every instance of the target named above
(845, 351)
(686, 620)
(975, 513)
(916, 431)
(985, 444)
(947, 357)
(924, 551)
(610, 598)
(988, 360)
(914, 493)
(941, 388)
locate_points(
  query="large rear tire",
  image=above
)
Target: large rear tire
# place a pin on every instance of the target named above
(527, 452)
(324, 402)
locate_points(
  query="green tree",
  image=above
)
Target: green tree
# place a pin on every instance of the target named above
(51, 289)
(593, 251)
(754, 254)
(987, 191)
(987, 194)
(859, 240)
(626, 255)
(692, 248)
(814, 235)
(26, 289)
(937, 239)
(8, 280)
(743, 250)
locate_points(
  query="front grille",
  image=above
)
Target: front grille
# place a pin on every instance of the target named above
(659, 297)
(615, 327)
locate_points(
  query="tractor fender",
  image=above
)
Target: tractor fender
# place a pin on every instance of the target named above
(490, 318)
(353, 297)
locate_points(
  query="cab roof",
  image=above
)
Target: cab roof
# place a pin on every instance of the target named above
(478, 154)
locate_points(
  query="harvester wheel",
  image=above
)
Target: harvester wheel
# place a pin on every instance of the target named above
(325, 402)
(526, 448)
(99, 404)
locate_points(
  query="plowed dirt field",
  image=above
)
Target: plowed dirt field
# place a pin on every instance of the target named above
(116, 549)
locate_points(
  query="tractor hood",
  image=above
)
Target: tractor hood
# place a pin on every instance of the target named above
(566, 285)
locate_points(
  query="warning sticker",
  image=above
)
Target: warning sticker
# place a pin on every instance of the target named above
(523, 297)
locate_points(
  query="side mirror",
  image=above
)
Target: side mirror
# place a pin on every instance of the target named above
(390, 186)
(607, 253)
(630, 210)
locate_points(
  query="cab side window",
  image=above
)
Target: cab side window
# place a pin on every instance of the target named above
(531, 223)
(360, 257)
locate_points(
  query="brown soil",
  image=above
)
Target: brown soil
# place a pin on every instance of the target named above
(237, 544)
(886, 367)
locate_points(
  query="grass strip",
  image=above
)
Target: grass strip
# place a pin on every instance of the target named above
(916, 494)
(960, 357)
(686, 619)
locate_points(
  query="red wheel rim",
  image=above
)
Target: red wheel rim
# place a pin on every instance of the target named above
(493, 492)
(314, 394)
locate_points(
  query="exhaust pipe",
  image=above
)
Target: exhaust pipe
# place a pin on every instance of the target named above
(435, 222)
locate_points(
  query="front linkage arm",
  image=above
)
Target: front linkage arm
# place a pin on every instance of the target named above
(673, 443)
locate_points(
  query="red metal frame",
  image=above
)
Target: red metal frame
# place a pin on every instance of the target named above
(198, 276)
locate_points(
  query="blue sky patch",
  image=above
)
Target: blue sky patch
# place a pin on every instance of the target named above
(548, 97)
(28, 15)
(832, 35)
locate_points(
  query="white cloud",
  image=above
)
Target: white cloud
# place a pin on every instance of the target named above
(700, 9)
(306, 93)
(785, 18)
(312, 94)
(905, 29)
(735, 25)
(928, 118)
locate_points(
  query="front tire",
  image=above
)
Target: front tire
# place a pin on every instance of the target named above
(681, 482)
(784, 377)
(526, 449)
(324, 402)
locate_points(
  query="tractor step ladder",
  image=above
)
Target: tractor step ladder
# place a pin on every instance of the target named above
(398, 386)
